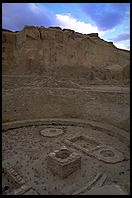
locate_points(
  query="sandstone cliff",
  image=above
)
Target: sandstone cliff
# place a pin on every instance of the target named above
(63, 54)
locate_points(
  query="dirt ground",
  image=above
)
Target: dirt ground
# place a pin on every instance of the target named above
(25, 149)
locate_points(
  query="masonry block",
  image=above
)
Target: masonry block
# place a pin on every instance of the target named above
(63, 162)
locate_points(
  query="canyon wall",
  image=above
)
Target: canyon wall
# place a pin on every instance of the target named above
(64, 54)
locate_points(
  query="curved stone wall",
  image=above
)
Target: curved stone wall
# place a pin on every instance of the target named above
(110, 105)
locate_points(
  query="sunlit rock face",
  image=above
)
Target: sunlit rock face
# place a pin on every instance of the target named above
(63, 54)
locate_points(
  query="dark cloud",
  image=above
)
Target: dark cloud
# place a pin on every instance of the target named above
(106, 15)
(121, 37)
(16, 15)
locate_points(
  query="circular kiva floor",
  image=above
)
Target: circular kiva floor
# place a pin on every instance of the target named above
(103, 150)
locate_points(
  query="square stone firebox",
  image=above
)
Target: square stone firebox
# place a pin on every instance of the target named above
(63, 162)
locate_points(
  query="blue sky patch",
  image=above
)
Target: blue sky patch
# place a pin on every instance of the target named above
(110, 20)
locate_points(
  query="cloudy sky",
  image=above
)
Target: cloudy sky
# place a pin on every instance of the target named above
(110, 20)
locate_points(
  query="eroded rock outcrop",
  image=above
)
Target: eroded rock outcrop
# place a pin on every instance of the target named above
(63, 54)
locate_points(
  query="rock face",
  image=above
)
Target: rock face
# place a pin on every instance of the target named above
(63, 54)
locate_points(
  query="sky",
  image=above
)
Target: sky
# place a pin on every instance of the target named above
(110, 20)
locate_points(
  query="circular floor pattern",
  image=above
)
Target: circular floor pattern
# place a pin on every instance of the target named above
(51, 132)
(108, 154)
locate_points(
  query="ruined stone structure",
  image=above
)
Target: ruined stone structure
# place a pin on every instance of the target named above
(65, 113)
(63, 162)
